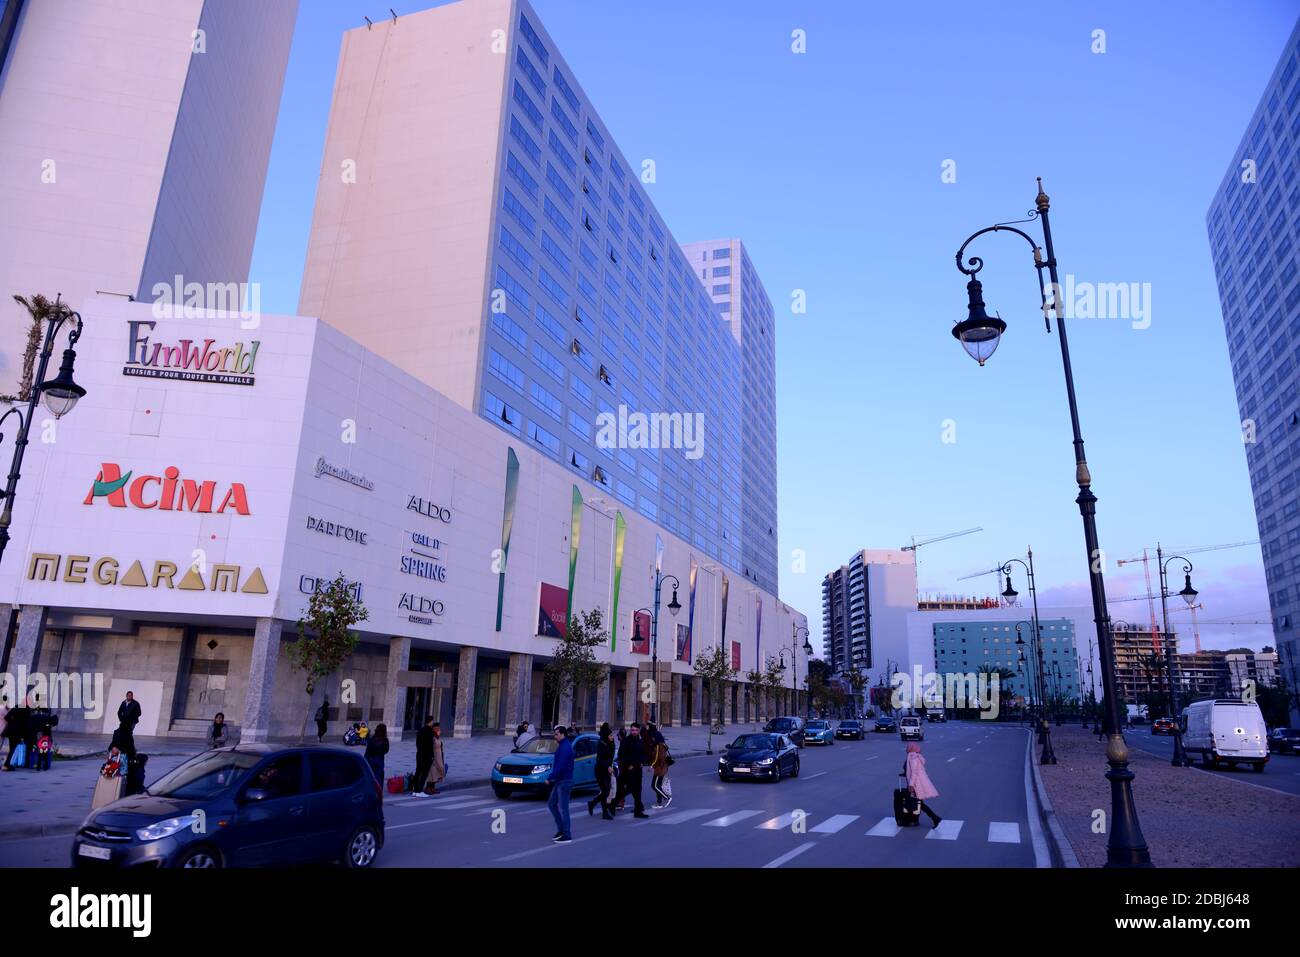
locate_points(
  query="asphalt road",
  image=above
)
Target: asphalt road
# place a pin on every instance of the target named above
(1282, 773)
(844, 791)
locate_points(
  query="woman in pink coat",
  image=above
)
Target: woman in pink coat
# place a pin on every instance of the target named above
(918, 782)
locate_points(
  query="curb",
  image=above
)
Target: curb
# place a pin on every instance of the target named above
(1062, 851)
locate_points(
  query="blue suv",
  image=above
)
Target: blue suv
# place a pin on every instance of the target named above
(243, 806)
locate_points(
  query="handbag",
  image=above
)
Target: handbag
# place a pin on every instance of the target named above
(397, 784)
(18, 755)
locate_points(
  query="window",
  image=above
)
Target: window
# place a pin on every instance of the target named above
(521, 176)
(530, 71)
(579, 426)
(584, 318)
(523, 139)
(562, 154)
(549, 363)
(722, 289)
(586, 288)
(582, 354)
(557, 253)
(566, 91)
(588, 254)
(505, 370)
(526, 103)
(579, 462)
(723, 253)
(544, 440)
(555, 179)
(515, 249)
(580, 390)
(552, 326)
(553, 287)
(534, 40)
(502, 413)
(514, 290)
(281, 777)
(557, 218)
(511, 204)
(508, 328)
(563, 122)
(546, 402)
(596, 138)
(720, 272)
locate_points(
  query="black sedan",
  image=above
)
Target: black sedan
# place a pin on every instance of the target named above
(850, 729)
(248, 805)
(1284, 741)
(770, 756)
(886, 725)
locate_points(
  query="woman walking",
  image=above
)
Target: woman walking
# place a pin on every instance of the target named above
(376, 748)
(659, 767)
(604, 774)
(918, 782)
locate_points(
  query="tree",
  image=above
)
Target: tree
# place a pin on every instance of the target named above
(41, 310)
(755, 679)
(573, 663)
(714, 666)
(857, 682)
(1003, 677)
(325, 638)
(773, 679)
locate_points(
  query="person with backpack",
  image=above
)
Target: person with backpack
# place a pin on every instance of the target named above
(604, 774)
(919, 784)
(14, 732)
(658, 761)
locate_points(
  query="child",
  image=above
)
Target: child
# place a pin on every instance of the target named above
(44, 752)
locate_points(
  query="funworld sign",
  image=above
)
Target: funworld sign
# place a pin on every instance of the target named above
(187, 358)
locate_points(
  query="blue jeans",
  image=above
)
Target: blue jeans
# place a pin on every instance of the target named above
(558, 802)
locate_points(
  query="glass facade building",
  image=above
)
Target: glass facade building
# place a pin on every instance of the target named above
(966, 646)
(1254, 227)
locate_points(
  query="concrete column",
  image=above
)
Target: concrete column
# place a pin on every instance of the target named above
(399, 659)
(465, 676)
(25, 654)
(603, 706)
(676, 712)
(519, 692)
(261, 682)
(697, 701)
(631, 697)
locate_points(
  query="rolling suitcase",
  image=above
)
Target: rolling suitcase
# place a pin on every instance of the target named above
(107, 790)
(907, 808)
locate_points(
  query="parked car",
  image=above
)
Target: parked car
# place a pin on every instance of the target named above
(242, 806)
(1226, 730)
(885, 725)
(525, 770)
(851, 728)
(1284, 741)
(936, 714)
(1162, 726)
(792, 727)
(818, 732)
(770, 756)
(909, 727)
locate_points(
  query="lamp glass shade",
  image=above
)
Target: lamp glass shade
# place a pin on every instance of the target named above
(1010, 592)
(61, 393)
(979, 333)
(1189, 593)
(674, 606)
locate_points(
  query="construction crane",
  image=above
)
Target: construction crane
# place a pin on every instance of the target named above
(1151, 603)
(930, 541)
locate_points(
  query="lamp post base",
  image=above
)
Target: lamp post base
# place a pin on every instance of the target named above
(1180, 758)
(1048, 756)
(1126, 847)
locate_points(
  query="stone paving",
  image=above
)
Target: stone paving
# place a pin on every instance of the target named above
(1189, 818)
(43, 803)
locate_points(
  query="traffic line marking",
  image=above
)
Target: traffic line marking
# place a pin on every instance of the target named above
(1004, 832)
(432, 820)
(680, 817)
(946, 831)
(777, 823)
(790, 855)
(811, 776)
(835, 823)
(458, 805)
(729, 819)
(547, 847)
(954, 758)
(885, 827)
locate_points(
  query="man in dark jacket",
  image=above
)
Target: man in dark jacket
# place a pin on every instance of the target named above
(604, 774)
(16, 720)
(630, 758)
(322, 720)
(561, 780)
(128, 716)
(423, 756)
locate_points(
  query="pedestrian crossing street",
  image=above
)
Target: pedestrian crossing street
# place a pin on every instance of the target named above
(949, 829)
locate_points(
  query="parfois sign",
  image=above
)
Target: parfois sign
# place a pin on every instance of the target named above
(192, 359)
(167, 492)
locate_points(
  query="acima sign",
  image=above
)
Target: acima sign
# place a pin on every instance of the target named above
(168, 492)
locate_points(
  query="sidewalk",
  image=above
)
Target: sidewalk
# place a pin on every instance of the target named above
(47, 803)
(1189, 818)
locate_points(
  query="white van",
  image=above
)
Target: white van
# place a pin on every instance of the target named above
(1226, 730)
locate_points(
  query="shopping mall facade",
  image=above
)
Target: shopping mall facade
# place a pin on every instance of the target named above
(168, 533)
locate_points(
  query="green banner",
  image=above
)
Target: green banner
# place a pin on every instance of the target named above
(620, 533)
(575, 532)
(507, 523)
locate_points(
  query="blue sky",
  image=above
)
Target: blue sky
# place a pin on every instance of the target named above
(827, 164)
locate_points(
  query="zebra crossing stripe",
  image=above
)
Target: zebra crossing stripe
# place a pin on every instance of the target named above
(790, 855)
(947, 830)
(885, 827)
(729, 819)
(835, 824)
(681, 817)
(1004, 832)
(777, 823)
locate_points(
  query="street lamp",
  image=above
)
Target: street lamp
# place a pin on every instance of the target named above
(979, 335)
(59, 394)
(1048, 755)
(674, 606)
(1188, 593)
(795, 628)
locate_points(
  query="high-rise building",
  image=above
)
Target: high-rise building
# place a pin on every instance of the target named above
(965, 647)
(1254, 227)
(865, 605)
(728, 274)
(477, 225)
(134, 139)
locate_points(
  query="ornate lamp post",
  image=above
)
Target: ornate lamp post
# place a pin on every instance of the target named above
(674, 606)
(59, 394)
(979, 335)
(1188, 594)
(1048, 755)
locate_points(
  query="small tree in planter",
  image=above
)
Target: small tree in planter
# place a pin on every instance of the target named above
(714, 666)
(325, 638)
(41, 310)
(774, 680)
(573, 663)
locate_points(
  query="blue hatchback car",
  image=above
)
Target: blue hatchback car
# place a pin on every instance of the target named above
(526, 769)
(247, 805)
